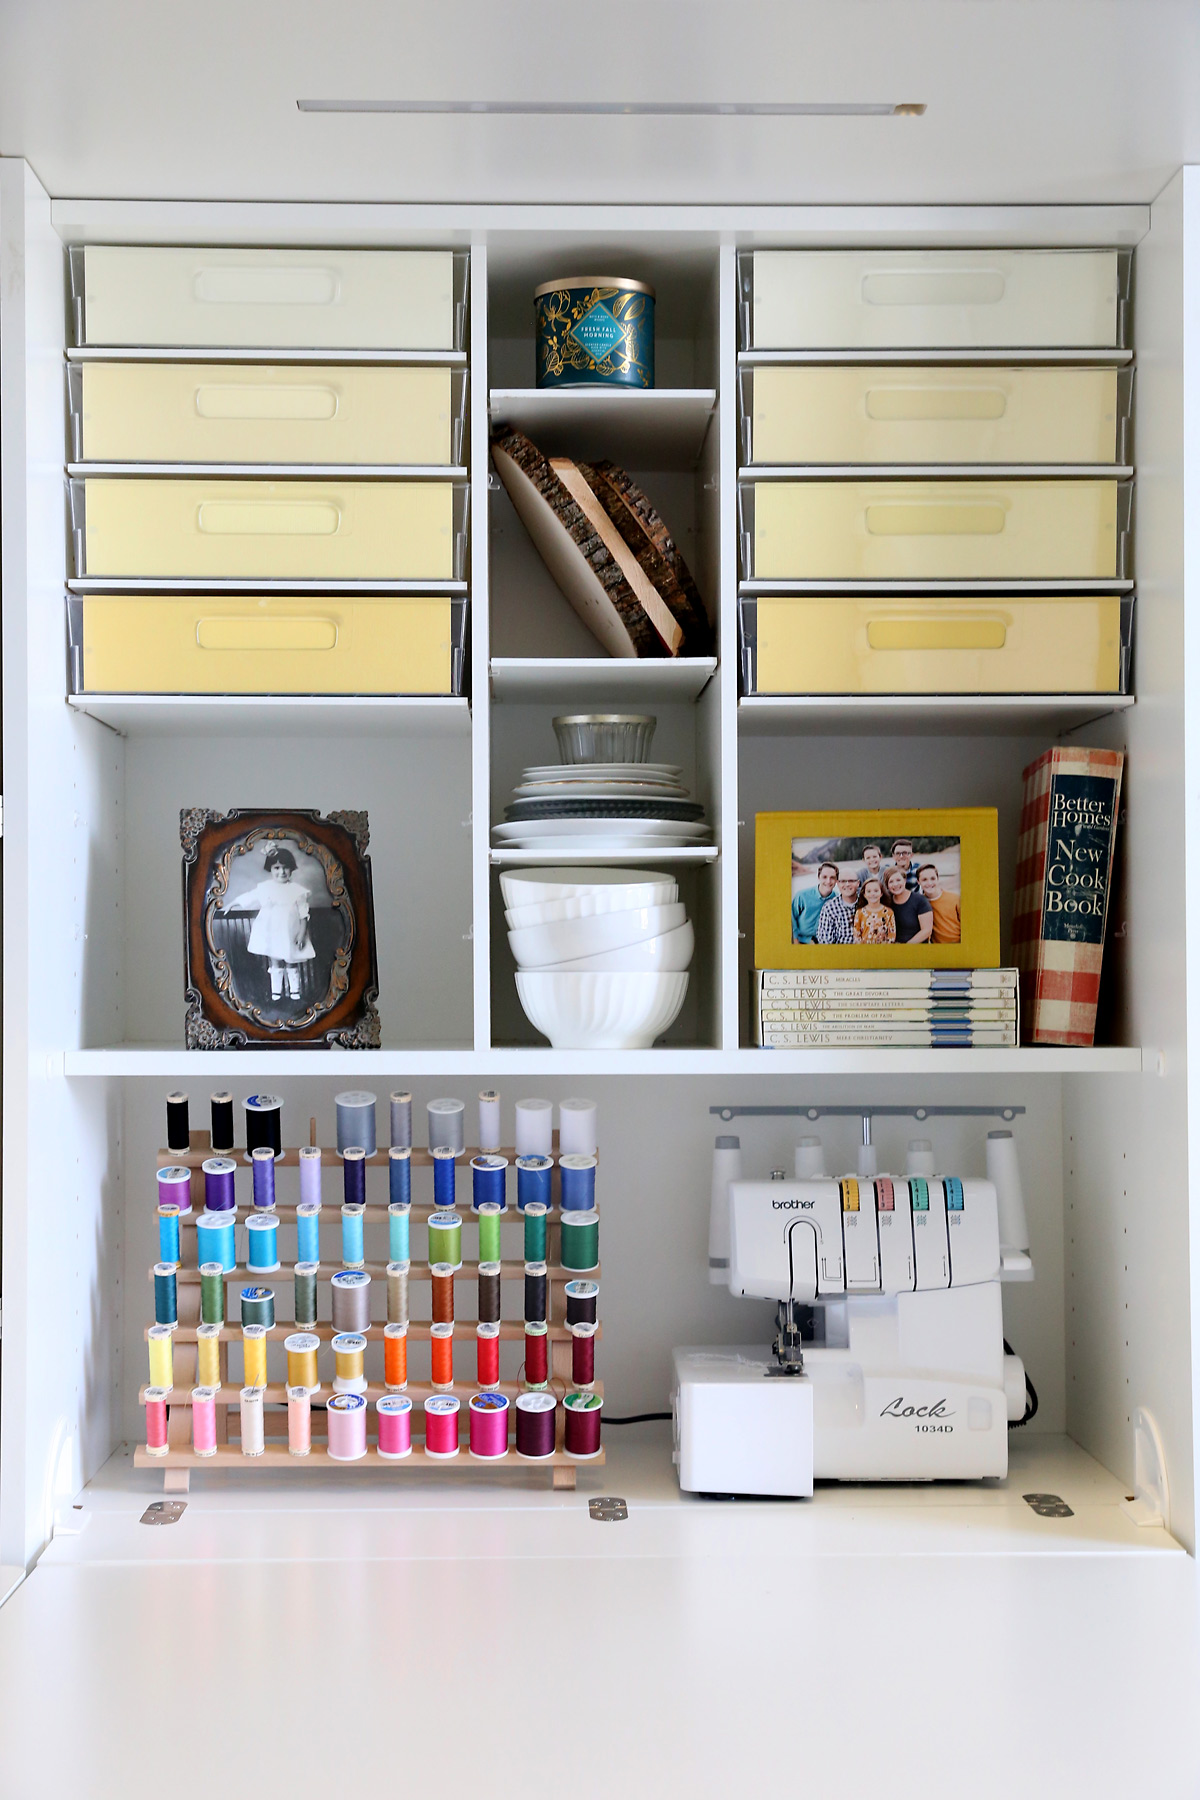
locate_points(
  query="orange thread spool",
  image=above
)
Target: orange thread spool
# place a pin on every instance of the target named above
(441, 1280)
(441, 1355)
(395, 1357)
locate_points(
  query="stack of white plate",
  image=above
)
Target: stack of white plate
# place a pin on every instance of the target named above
(602, 806)
(601, 954)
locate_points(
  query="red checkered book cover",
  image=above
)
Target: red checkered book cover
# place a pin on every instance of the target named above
(1064, 870)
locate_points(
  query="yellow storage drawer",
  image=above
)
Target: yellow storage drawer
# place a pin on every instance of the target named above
(265, 413)
(146, 526)
(932, 299)
(862, 414)
(266, 644)
(952, 644)
(268, 299)
(931, 530)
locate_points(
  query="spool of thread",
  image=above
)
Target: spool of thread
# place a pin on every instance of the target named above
(262, 1242)
(214, 1239)
(179, 1132)
(582, 1433)
(258, 1306)
(441, 1425)
(299, 1408)
(577, 1128)
(441, 1281)
(168, 1235)
(487, 1416)
(393, 1419)
(262, 1165)
(489, 1120)
(221, 1115)
(577, 1181)
(166, 1299)
(580, 1240)
(443, 1175)
(535, 1425)
(349, 1350)
(535, 1128)
(208, 1355)
(583, 1355)
(156, 1421)
(446, 1125)
(534, 1177)
(399, 1175)
(487, 1355)
(212, 1293)
(395, 1357)
(582, 1300)
(354, 1176)
(441, 1355)
(355, 1122)
(445, 1239)
(308, 1232)
(397, 1293)
(489, 1232)
(302, 1348)
(204, 1421)
(488, 1176)
(175, 1188)
(253, 1443)
(354, 1254)
(537, 1357)
(160, 1341)
(304, 1286)
(347, 1420)
(535, 1232)
(489, 1293)
(399, 1214)
(536, 1284)
(400, 1107)
(254, 1355)
(351, 1296)
(264, 1123)
(219, 1191)
(310, 1175)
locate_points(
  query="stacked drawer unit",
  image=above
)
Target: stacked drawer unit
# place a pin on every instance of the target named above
(266, 482)
(935, 494)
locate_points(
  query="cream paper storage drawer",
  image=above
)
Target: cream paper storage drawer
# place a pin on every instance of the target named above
(931, 299)
(951, 644)
(270, 299)
(265, 413)
(932, 530)
(268, 530)
(891, 414)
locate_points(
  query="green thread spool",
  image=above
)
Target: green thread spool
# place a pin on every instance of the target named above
(489, 1232)
(535, 1232)
(212, 1294)
(305, 1279)
(258, 1306)
(445, 1238)
(580, 1240)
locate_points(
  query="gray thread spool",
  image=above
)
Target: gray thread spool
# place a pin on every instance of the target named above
(401, 1120)
(446, 1125)
(355, 1122)
(351, 1292)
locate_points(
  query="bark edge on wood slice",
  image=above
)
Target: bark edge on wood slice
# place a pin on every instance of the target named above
(644, 530)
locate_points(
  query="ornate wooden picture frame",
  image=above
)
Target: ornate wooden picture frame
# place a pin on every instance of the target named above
(279, 929)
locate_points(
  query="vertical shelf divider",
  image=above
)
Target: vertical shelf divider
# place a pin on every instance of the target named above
(728, 835)
(481, 697)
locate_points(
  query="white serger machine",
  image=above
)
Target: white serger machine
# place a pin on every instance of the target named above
(889, 1361)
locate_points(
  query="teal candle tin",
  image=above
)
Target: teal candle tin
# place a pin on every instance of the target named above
(595, 331)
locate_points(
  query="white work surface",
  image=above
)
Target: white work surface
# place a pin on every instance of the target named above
(455, 1637)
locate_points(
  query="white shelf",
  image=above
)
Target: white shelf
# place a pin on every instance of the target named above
(440, 359)
(652, 428)
(884, 715)
(763, 585)
(572, 679)
(278, 715)
(278, 471)
(935, 471)
(688, 853)
(146, 584)
(751, 359)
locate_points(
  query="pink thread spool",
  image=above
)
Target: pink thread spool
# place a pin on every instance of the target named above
(488, 1415)
(347, 1416)
(156, 1420)
(441, 1425)
(299, 1406)
(204, 1421)
(393, 1414)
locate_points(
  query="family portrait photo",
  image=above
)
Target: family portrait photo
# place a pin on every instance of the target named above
(903, 891)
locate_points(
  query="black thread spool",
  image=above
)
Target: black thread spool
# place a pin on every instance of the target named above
(221, 1107)
(582, 1302)
(489, 1293)
(179, 1136)
(535, 1293)
(264, 1124)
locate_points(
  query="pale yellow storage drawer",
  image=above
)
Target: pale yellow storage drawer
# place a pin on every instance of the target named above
(266, 644)
(271, 299)
(952, 644)
(931, 299)
(931, 530)
(265, 413)
(861, 414)
(146, 526)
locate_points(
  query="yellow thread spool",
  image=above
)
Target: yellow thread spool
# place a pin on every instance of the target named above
(348, 1352)
(301, 1350)
(254, 1355)
(162, 1361)
(208, 1356)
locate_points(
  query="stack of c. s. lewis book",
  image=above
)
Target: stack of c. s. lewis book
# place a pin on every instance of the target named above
(853, 1009)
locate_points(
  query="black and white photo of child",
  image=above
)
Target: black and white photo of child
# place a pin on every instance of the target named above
(281, 927)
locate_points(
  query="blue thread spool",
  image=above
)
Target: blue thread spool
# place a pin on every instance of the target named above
(168, 1235)
(488, 1176)
(308, 1232)
(354, 1175)
(443, 1175)
(166, 1306)
(262, 1241)
(263, 1166)
(533, 1180)
(353, 1253)
(400, 1174)
(577, 1180)
(219, 1195)
(399, 1214)
(214, 1239)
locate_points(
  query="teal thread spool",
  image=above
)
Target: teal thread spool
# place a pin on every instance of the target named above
(212, 1294)
(305, 1281)
(399, 1213)
(353, 1253)
(168, 1235)
(258, 1306)
(535, 1232)
(308, 1231)
(489, 1232)
(445, 1238)
(580, 1233)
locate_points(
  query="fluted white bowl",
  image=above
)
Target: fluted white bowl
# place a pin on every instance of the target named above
(530, 887)
(591, 905)
(536, 946)
(667, 954)
(585, 1011)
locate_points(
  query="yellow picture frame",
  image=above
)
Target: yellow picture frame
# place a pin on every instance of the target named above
(974, 828)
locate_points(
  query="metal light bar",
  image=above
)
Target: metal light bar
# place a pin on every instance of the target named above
(650, 109)
(866, 1112)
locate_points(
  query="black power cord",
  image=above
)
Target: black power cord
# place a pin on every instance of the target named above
(637, 1418)
(1031, 1399)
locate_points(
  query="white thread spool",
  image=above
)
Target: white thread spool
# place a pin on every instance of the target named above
(535, 1128)
(727, 1167)
(489, 1120)
(252, 1421)
(577, 1128)
(810, 1159)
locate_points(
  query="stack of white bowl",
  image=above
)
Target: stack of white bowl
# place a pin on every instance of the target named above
(601, 954)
